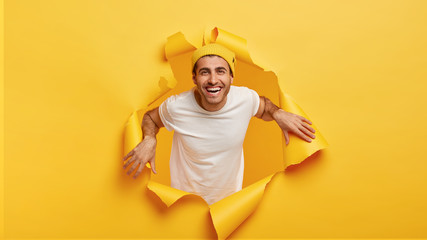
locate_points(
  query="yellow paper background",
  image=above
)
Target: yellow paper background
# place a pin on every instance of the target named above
(74, 70)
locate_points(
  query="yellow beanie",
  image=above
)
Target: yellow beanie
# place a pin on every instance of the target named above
(214, 49)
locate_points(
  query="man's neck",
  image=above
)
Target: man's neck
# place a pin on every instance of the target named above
(205, 105)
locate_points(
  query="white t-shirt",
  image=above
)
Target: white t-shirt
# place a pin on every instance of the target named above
(207, 149)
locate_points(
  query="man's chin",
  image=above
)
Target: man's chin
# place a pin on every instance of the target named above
(213, 100)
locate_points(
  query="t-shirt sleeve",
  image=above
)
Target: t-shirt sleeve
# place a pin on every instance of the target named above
(255, 101)
(165, 115)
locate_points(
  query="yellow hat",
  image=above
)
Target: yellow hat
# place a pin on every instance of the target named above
(214, 49)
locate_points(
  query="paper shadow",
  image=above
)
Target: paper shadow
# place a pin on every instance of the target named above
(311, 162)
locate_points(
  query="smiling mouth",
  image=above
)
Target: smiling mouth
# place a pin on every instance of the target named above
(213, 90)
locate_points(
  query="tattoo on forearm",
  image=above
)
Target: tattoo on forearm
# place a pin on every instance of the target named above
(152, 120)
(270, 107)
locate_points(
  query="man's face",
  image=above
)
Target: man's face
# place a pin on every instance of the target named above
(213, 79)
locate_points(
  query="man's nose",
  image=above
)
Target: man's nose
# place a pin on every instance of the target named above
(213, 79)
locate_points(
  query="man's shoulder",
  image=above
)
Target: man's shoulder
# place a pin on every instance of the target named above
(181, 97)
(182, 102)
(245, 98)
(239, 88)
(242, 90)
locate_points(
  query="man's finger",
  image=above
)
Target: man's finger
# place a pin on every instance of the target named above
(139, 171)
(128, 162)
(307, 132)
(286, 137)
(305, 119)
(309, 127)
(128, 155)
(131, 169)
(153, 165)
(302, 135)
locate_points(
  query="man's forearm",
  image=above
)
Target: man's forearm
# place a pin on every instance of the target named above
(149, 127)
(287, 121)
(269, 109)
(145, 151)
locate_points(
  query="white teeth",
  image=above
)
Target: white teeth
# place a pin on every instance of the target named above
(213, 89)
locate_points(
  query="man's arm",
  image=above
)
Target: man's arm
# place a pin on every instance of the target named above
(145, 151)
(287, 121)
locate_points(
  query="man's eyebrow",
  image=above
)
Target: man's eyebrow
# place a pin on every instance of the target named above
(221, 68)
(201, 69)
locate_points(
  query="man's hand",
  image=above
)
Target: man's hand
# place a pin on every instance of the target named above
(287, 121)
(295, 124)
(144, 152)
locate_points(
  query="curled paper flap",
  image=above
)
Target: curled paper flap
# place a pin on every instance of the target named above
(133, 132)
(168, 195)
(228, 213)
(231, 211)
(298, 150)
(177, 45)
(237, 44)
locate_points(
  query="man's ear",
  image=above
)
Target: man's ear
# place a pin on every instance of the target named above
(194, 78)
(232, 78)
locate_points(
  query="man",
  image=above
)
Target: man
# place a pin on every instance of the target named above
(210, 123)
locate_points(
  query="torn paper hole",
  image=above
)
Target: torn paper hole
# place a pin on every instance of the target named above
(265, 151)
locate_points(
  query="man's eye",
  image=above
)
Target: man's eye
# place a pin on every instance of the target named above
(203, 72)
(221, 71)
